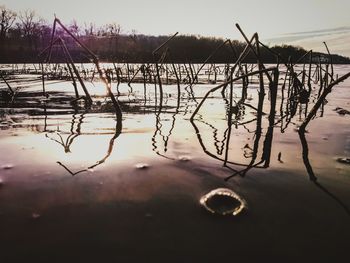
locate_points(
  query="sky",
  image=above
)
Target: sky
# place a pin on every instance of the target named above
(274, 20)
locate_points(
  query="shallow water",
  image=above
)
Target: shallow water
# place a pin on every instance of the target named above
(73, 188)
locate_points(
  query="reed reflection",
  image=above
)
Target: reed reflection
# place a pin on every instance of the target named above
(74, 133)
(312, 176)
(235, 116)
(76, 130)
(160, 138)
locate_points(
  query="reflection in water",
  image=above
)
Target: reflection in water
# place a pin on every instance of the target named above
(118, 130)
(234, 122)
(219, 144)
(159, 128)
(101, 161)
(297, 98)
(312, 176)
(74, 133)
(238, 111)
(164, 137)
(69, 171)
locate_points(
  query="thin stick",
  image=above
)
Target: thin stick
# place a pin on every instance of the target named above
(43, 79)
(7, 84)
(162, 45)
(225, 84)
(321, 99)
(251, 47)
(209, 57)
(330, 59)
(76, 71)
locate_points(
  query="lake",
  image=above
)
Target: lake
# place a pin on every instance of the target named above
(74, 185)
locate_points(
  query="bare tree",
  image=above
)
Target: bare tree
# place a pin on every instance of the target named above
(113, 29)
(30, 26)
(45, 34)
(74, 27)
(134, 34)
(112, 32)
(7, 18)
(89, 29)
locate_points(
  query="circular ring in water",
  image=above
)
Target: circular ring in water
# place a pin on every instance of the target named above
(223, 201)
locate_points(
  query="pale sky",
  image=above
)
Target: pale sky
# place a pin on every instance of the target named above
(270, 18)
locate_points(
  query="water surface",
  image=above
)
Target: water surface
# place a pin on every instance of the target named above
(74, 187)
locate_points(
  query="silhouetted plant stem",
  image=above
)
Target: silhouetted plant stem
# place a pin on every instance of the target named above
(43, 79)
(155, 53)
(7, 84)
(71, 73)
(74, 82)
(309, 74)
(99, 70)
(330, 59)
(229, 121)
(256, 53)
(320, 100)
(192, 74)
(132, 78)
(273, 86)
(76, 72)
(164, 43)
(208, 58)
(320, 77)
(48, 57)
(159, 84)
(225, 84)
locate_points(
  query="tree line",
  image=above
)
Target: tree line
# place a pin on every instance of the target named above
(23, 35)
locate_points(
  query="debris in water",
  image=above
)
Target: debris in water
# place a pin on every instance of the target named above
(36, 215)
(344, 160)
(141, 165)
(7, 166)
(184, 158)
(280, 157)
(223, 201)
(342, 111)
